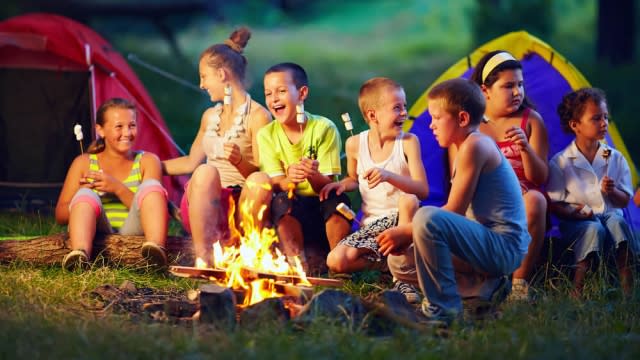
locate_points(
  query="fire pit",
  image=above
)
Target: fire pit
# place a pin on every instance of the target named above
(267, 285)
(253, 267)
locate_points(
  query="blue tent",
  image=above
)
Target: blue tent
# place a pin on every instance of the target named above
(547, 77)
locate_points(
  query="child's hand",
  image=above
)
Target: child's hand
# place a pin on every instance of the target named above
(607, 185)
(310, 167)
(327, 189)
(102, 182)
(517, 136)
(296, 173)
(232, 153)
(395, 240)
(86, 181)
(375, 176)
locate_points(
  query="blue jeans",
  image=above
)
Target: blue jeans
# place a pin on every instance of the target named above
(437, 234)
(593, 235)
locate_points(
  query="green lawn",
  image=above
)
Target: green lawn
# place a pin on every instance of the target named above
(44, 314)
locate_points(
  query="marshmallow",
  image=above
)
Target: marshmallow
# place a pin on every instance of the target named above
(77, 130)
(347, 121)
(300, 113)
(346, 211)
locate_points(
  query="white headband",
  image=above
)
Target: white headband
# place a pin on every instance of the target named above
(494, 61)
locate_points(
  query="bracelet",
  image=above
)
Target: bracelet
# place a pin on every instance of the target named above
(239, 161)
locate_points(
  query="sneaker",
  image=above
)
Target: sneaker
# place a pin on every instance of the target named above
(409, 291)
(154, 254)
(75, 259)
(519, 291)
(436, 315)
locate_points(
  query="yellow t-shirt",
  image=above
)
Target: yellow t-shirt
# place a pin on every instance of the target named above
(320, 137)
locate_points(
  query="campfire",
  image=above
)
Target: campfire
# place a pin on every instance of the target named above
(253, 267)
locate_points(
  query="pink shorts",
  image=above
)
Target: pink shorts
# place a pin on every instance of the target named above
(223, 215)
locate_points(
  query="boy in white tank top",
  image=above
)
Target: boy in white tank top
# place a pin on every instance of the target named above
(385, 164)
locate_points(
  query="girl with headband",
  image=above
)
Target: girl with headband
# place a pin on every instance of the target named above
(520, 133)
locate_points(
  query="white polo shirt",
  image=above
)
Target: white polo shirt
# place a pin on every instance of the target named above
(574, 180)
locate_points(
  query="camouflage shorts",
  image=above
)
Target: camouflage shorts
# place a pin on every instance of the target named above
(365, 237)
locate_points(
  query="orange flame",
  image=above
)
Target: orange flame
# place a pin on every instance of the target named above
(255, 251)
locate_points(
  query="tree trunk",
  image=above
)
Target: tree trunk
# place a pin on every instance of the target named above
(616, 31)
(116, 249)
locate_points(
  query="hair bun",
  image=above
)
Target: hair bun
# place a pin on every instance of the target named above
(238, 39)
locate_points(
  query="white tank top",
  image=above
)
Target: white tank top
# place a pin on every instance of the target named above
(382, 199)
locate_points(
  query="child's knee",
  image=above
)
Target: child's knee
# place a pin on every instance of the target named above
(259, 179)
(535, 205)
(148, 187)
(87, 196)
(338, 259)
(204, 177)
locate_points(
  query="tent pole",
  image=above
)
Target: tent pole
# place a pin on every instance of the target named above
(92, 88)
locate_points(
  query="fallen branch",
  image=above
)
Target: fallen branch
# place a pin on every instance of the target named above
(116, 249)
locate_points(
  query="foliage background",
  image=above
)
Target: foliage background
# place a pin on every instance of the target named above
(343, 43)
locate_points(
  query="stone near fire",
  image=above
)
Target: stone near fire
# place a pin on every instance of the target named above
(391, 311)
(217, 306)
(333, 305)
(266, 313)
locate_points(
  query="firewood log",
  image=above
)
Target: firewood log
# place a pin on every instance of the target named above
(115, 249)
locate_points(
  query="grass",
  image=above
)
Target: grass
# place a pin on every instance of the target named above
(42, 316)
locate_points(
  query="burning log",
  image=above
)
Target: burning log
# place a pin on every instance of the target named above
(248, 274)
(116, 249)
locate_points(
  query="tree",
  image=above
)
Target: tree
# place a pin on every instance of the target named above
(616, 31)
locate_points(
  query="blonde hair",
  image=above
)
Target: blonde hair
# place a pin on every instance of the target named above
(114, 103)
(371, 93)
(229, 53)
(458, 95)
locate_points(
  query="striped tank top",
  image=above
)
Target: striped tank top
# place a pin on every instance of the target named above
(115, 210)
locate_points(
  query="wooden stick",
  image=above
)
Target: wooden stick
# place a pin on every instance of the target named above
(249, 274)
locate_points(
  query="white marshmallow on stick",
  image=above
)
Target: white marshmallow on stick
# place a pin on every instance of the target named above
(346, 211)
(300, 115)
(347, 122)
(77, 130)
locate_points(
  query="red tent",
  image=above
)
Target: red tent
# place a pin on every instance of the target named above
(54, 73)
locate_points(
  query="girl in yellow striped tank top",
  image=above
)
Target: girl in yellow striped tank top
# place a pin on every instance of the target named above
(113, 188)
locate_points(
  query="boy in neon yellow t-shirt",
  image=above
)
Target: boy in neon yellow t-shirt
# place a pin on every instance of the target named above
(300, 153)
